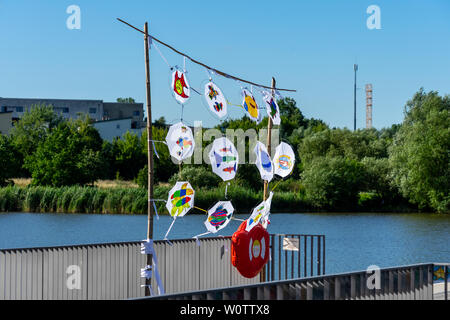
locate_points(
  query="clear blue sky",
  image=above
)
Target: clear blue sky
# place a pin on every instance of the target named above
(310, 46)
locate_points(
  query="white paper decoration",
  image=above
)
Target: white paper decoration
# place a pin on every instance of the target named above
(263, 161)
(180, 141)
(179, 87)
(219, 216)
(215, 99)
(260, 214)
(284, 160)
(273, 111)
(224, 158)
(180, 199)
(250, 105)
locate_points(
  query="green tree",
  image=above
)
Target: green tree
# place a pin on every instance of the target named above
(333, 183)
(69, 155)
(125, 100)
(8, 160)
(377, 178)
(129, 155)
(108, 159)
(163, 167)
(33, 127)
(420, 153)
(198, 177)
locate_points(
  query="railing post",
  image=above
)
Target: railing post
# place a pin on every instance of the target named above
(446, 283)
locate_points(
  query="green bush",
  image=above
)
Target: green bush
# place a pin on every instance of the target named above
(198, 177)
(333, 183)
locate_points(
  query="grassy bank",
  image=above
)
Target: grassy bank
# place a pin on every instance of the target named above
(133, 200)
(120, 200)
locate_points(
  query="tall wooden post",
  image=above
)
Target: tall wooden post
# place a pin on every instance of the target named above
(262, 274)
(269, 144)
(150, 154)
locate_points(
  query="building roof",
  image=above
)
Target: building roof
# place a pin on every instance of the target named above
(117, 119)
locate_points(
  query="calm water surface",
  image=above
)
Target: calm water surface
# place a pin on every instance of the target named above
(353, 241)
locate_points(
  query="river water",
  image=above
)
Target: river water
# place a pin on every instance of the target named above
(353, 241)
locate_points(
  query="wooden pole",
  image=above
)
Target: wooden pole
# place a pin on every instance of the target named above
(269, 144)
(150, 154)
(262, 274)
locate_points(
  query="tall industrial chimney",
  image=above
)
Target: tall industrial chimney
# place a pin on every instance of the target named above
(368, 106)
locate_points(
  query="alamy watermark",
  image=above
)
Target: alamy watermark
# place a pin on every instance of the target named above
(374, 279)
(74, 20)
(238, 137)
(374, 20)
(73, 281)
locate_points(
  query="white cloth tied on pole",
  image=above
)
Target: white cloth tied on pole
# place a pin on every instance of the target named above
(147, 248)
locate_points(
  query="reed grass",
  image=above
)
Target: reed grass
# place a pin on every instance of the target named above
(76, 199)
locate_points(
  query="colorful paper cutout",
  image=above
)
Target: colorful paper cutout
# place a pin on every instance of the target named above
(215, 99)
(180, 141)
(273, 111)
(224, 158)
(180, 87)
(263, 161)
(181, 199)
(250, 105)
(283, 160)
(219, 216)
(260, 214)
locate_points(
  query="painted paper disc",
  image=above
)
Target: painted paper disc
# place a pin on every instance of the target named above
(219, 216)
(284, 160)
(273, 111)
(181, 199)
(180, 141)
(224, 158)
(215, 99)
(250, 105)
(263, 161)
(260, 214)
(179, 87)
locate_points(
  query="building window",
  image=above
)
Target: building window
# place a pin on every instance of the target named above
(63, 110)
(4, 109)
(92, 110)
(118, 126)
(19, 109)
(136, 113)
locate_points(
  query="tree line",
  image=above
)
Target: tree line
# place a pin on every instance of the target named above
(403, 167)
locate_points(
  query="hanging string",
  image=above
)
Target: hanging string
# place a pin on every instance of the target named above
(160, 53)
(196, 91)
(201, 209)
(208, 72)
(154, 205)
(154, 149)
(170, 228)
(234, 105)
(182, 111)
(226, 190)
(221, 73)
(276, 185)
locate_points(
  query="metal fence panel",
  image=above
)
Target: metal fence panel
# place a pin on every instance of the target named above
(112, 271)
(398, 283)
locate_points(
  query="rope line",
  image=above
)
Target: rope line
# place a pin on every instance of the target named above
(201, 209)
(223, 74)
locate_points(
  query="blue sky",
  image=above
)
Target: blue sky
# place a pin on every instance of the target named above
(309, 46)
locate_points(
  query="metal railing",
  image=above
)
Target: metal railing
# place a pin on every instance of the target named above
(112, 270)
(414, 282)
(295, 256)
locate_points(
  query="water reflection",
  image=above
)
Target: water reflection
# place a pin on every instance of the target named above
(353, 241)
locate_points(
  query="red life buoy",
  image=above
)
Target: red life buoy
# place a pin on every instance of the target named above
(250, 249)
